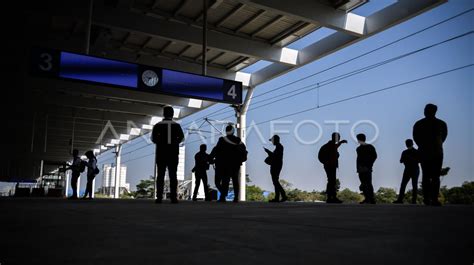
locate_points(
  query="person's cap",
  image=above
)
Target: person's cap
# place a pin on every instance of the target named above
(276, 137)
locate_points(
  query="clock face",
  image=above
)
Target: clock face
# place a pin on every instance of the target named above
(150, 78)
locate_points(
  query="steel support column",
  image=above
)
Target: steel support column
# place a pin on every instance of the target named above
(67, 176)
(73, 132)
(88, 27)
(204, 37)
(45, 134)
(242, 133)
(155, 175)
(33, 129)
(118, 155)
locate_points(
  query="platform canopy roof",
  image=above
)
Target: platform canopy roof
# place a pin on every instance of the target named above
(58, 114)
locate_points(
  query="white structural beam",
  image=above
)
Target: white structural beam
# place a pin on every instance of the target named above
(135, 22)
(161, 61)
(398, 12)
(165, 61)
(88, 133)
(102, 105)
(95, 137)
(268, 73)
(377, 22)
(75, 88)
(314, 12)
(85, 137)
(325, 46)
(84, 115)
(131, 110)
(62, 127)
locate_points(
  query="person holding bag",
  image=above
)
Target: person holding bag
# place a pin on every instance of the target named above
(228, 155)
(275, 160)
(77, 167)
(200, 171)
(92, 171)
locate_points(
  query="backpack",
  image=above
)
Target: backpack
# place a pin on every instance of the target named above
(323, 154)
(82, 166)
(268, 160)
(242, 152)
(96, 169)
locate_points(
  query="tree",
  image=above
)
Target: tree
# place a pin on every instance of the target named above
(127, 195)
(99, 195)
(270, 196)
(247, 178)
(146, 188)
(385, 195)
(286, 184)
(299, 195)
(454, 195)
(315, 196)
(443, 194)
(346, 195)
(461, 195)
(254, 193)
(338, 186)
(296, 195)
(409, 196)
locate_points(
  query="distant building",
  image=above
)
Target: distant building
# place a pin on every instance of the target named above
(108, 180)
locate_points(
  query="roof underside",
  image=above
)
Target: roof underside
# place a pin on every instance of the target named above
(227, 17)
(168, 33)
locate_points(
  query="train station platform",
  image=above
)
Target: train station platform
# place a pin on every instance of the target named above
(57, 231)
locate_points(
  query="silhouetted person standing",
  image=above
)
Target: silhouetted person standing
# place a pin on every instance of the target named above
(167, 135)
(429, 134)
(92, 171)
(228, 156)
(75, 168)
(366, 156)
(329, 157)
(410, 158)
(200, 169)
(276, 164)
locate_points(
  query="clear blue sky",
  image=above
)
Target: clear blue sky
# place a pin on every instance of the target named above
(394, 111)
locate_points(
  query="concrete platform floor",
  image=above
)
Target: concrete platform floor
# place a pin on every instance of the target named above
(56, 231)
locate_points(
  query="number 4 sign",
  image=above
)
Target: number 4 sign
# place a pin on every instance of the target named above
(232, 92)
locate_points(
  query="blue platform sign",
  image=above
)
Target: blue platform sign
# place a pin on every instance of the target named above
(85, 68)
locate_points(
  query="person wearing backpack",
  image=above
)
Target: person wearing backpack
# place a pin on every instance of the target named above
(77, 168)
(92, 171)
(329, 157)
(228, 155)
(275, 160)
